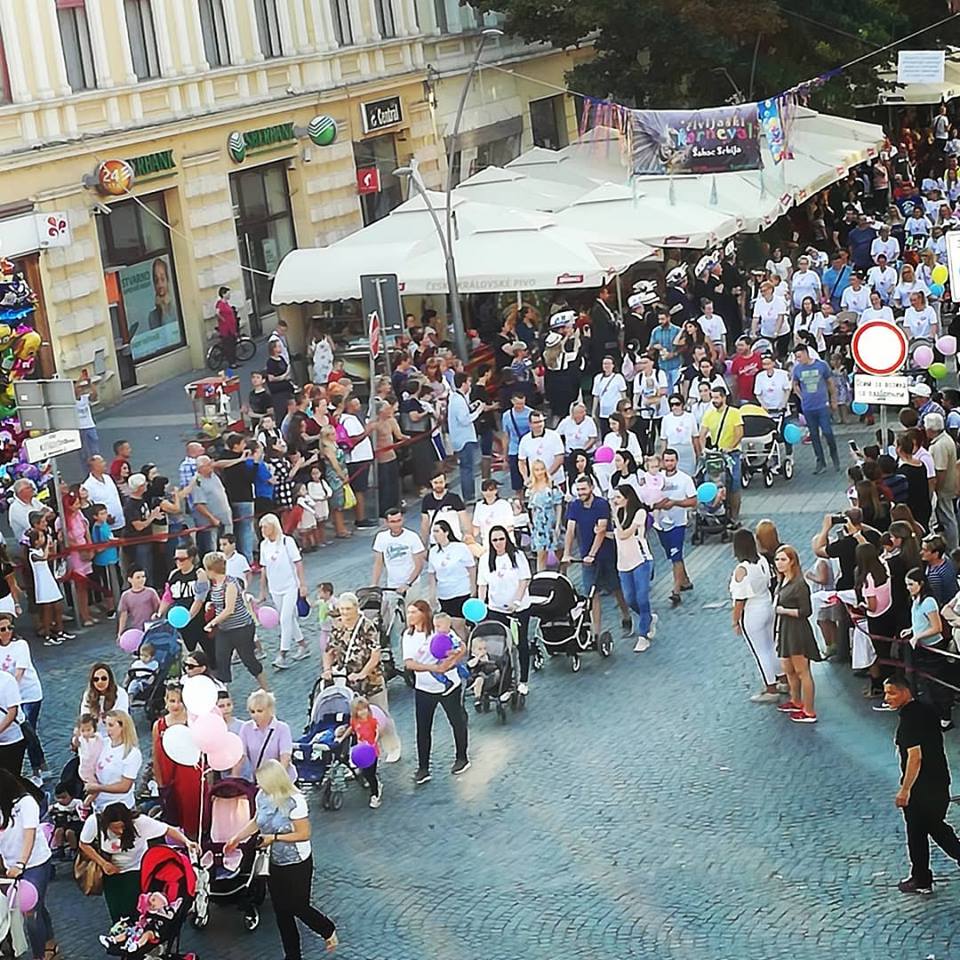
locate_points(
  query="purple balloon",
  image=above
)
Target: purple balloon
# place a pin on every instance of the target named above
(363, 755)
(129, 641)
(441, 645)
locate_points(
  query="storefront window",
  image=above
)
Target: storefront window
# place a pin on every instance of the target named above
(135, 244)
(379, 152)
(261, 204)
(548, 122)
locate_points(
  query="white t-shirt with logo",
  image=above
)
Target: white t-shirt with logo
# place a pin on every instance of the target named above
(16, 656)
(883, 281)
(278, 557)
(855, 300)
(919, 323)
(114, 765)
(713, 327)
(679, 486)
(498, 513)
(608, 390)
(678, 432)
(10, 697)
(398, 555)
(884, 314)
(144, 829)
(451, 566)
(546, 448)
(768, 312)
(416, 646)
(503, 581)
(25, 815)
(576, 436)
(773, 391)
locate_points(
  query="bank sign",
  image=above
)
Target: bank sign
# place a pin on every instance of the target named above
(381, 113)
(239, 145)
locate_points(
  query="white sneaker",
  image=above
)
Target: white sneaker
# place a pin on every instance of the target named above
(764, 697)
(652, 632)
(522, 689)
(376, 799)
(281, 664)
(642, 645)
(392, 758)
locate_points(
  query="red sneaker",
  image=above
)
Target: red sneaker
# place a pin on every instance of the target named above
(801, 716)
(789, 706)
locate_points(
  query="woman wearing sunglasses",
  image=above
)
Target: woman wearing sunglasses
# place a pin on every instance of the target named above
(103, 695)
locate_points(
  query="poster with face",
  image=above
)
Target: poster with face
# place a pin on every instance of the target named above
(150, 305)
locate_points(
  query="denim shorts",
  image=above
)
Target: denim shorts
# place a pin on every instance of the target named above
(603, 573)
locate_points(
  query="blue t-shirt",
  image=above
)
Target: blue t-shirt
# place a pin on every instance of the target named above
(834, 286)
(517, 426)
(860, 240)
(101, 533)
(813, 378)
(262, 482)
(918, 618)
(663, 337)
(586, 519)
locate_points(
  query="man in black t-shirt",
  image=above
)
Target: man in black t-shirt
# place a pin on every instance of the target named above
(236, 474)
(924, 792)
(442, 504)
(259, 401)
(138, 518)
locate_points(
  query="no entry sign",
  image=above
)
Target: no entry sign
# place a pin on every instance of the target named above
(879, 348)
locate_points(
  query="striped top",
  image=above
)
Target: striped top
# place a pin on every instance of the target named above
(241, 615)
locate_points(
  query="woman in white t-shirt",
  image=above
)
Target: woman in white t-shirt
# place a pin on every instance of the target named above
(779, 264)
(877, 310)
(15, 659)
(634, 561)
(609, 388)
(282, 572)
(503, 580)
(102, 695)
(117, 838)
(26, 855)
(452, 573)
(808, 321)
(435, 683)
(282, 820)
(679, 431)
(118, 765)
(12, 744)
(908, 284)
(620, 438)
(491, 509)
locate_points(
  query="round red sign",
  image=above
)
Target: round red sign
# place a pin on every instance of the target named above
(879, 348)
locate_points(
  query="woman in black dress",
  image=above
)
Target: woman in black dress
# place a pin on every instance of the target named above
(278, 380)
(918, 484)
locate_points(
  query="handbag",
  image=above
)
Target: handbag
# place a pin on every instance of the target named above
(89, 876)
(349, 497)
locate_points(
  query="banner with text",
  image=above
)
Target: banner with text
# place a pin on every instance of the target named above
(713, 140)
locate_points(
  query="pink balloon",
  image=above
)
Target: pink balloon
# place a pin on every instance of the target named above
(603, 455)
(379, 714)
(130, 640)
(268, 617)
(228, 754)
(923, 357)
(209, 731)
(26, 895)
(46, 828)
(947, 345)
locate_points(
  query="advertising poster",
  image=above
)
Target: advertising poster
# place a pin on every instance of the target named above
(772, 125)
(150, 305)
(714, 140)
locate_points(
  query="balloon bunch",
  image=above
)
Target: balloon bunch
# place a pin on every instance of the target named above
(205, 731)
(14, 463)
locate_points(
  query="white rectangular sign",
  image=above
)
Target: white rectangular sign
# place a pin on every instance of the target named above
(887, 391)
(920, 66)
(52, 444)
(953, 260)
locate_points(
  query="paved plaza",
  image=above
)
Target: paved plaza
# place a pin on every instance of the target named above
(642, 808)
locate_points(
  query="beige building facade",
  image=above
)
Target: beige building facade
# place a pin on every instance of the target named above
(152, 151)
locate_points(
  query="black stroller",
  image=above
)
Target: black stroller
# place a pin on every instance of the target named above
(565, 618)
(166, 648)
(492, 661)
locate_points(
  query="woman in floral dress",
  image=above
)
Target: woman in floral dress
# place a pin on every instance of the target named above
(544, 500)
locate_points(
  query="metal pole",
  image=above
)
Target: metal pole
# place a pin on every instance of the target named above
(456, 316)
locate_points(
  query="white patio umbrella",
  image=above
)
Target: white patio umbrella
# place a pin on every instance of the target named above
(512, 189)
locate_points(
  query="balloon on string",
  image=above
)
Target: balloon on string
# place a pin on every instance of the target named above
(936, 289)
(268, 616)
(707, 492)
(939, 274)
(474, 609)
(859, 408)
(129, 641)
(947, 345)
(199, 695)
(441, 645)
(937, 370)
(178, 617)
(47, 829)
(228, 754)
(25, 894)
(923, 356)
(603, 455)
(209, 730)
(180, 746)
(792, 433)
(363, 755)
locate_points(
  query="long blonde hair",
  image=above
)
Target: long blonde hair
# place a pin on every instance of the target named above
(275, 782)
(129, 731)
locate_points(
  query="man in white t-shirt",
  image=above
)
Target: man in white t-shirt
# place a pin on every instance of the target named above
(919, 319)
(400, 552)
(577, 430)
(886, 246)
(713, 327)
(541, 444)
(670, 519)
(609, 388)
(804, 283)
(359, 458)
(772, 386)
(86, 394)
(882, 278)
(238, 566)
(856, 298)
(769, 313)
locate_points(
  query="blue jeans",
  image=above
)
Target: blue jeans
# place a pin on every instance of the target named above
(28, 727)
(818, 420)
(243, 528)
(636, 591)
(38, 923)
(467, 458)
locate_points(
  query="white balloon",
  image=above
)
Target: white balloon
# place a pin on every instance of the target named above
(199, 695)
(180, 746)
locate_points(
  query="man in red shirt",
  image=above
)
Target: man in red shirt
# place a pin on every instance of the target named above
(745, 366)
(227, 326)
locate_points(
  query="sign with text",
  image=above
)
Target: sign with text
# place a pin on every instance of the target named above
(150, 306)
(381, 113)
(52, 444)
(883, 391)
(920, 66)
(953, 260)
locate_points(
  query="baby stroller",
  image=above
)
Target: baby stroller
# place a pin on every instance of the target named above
(322, 760)
(230, 804)
(763, 446)
(156, 932)
(491, 658)
(565, 618)
(374, 602)
(166, 648)
(712, 519)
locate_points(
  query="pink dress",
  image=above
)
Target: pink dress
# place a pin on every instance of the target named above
(77, 532)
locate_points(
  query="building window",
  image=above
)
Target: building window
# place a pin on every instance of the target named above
(268, 27)
(143, 38)
(342, 27)
(135, 243)
(440, 12)
(379, 152)
(75, 40)
(214, 28)
(385, 21)
(548, 122)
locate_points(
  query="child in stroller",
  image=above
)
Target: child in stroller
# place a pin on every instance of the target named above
(168, 885)
(491, 660)
(146, 686)
(317, 754)
(712, 516)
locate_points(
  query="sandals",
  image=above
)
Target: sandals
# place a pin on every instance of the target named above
(52, 952)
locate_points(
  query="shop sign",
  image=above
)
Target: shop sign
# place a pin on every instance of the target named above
(239, 144)
(322, 130)
(381, 113)
(115, 177)
(368, 180)
(53, 230)
(151, 164)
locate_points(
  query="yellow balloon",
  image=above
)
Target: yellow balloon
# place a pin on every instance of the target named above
(27, 345)
(6, 336)
(939, 273)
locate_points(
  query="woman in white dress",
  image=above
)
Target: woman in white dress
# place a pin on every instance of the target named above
(282, 573)
(753, 611)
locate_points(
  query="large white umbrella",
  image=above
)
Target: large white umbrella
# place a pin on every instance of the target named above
(509, 188)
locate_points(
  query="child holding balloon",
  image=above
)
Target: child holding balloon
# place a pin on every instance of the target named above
(365, 729)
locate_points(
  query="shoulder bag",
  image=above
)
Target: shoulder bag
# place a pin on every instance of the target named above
(88, 874)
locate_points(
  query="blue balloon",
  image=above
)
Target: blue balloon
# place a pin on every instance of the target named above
(792, 433)
(859, 408)
(178, 617)
(707, 492)
(474, 609)
(937, 289)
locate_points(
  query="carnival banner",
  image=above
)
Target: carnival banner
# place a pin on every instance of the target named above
(772, 125)
(713, 140)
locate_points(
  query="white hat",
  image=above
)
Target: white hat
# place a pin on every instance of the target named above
(704, 264)
(677, 274)
(563, 319)
(918, 390)
(136, 480)
(553, 339)
(637, 300)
